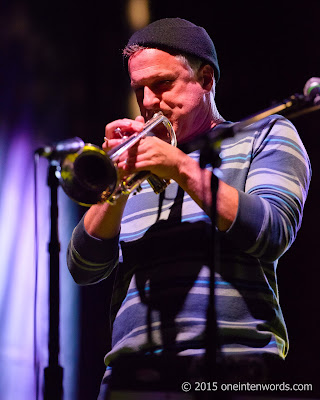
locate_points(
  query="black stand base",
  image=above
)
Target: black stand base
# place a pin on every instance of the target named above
(53, 383)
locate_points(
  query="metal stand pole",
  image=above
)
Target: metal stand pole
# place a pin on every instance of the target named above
(209, 155)
(53, 373)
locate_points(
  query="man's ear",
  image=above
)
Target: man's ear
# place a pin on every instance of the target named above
(206, 76)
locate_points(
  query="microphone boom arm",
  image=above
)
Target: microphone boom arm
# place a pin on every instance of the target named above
(292, 107)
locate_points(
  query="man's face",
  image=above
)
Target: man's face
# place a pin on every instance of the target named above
(164, 83)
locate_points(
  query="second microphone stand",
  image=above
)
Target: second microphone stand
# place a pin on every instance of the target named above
(53, 373)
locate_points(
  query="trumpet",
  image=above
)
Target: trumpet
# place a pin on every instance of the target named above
(91, 176)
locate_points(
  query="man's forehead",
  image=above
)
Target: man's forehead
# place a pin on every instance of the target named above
(151, 73)
(152, 63)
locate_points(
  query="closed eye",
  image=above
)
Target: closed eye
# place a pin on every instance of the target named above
(162, 85)
(156, 87)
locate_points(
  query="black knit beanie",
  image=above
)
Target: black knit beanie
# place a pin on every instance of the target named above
(179, 35)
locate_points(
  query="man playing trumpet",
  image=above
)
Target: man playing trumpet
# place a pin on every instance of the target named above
(160, 244)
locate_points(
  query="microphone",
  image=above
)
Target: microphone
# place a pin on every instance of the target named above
(311, 90)
(61, 149)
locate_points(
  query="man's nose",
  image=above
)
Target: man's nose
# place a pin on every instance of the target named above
(149, 98)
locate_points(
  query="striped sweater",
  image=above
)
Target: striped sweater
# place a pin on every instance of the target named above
(161, 288)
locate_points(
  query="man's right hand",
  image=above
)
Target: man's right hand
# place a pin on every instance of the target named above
(127, 128)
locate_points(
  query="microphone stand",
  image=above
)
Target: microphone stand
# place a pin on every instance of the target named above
(54, 372)
(209, 155)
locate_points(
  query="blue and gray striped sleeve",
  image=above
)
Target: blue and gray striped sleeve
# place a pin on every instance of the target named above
(271, 204)
(91, 259)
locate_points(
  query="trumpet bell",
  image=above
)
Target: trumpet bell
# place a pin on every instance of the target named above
(86, 174)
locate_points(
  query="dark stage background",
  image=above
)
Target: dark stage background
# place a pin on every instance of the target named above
(69, 53)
